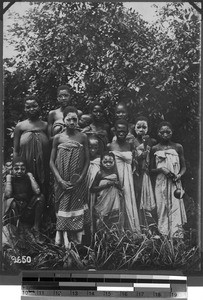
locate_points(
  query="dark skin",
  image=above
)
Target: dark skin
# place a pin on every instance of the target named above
(33, 122)
(93, 148)
(121, 144)
(71, 132)
(121, 113)
(108, 168)
(98, 121)
(63, 99)
(141, 128)
(19, 172)
(165, 134)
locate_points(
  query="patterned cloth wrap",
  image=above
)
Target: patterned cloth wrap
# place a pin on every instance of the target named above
(71, 205)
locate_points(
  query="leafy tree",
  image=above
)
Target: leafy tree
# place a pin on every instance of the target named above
(109, 53)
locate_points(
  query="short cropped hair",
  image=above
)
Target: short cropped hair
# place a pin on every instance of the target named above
(96, 103)
(63, 87)
(31, 97)
(142, 118)
(121, 103)
(107, 153)
(122, 122)
(18, 159)
(70, 109)
(164, 123)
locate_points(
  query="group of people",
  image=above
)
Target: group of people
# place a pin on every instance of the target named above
(103, 176)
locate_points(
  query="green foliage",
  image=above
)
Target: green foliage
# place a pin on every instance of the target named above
(109, 53)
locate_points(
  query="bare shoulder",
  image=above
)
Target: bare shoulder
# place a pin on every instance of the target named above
(57, 140)
(44, 123)
(156, 147)
(82, 136)
(21, 126)
(178, 147)
(52, 112)
(111, 146)
(52, 115)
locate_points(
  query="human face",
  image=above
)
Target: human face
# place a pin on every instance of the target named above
(108, 162)
(71, 120)
(93, 148)
(97, 113)
(165, 133)
(141, 128)
(121, 131)
(121, 112)
(32, 109)
(63, 98)
(19, 169)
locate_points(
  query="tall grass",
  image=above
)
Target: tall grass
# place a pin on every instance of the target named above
(111, 250)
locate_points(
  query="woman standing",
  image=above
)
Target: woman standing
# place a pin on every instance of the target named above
(168, 164)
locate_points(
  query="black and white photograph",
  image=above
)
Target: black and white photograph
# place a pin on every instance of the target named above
(101, 165)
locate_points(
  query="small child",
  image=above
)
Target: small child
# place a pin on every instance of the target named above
(122, 150)
(22, 199)
(108, 206)
(168, 164)
(84, 121)
(142, 182)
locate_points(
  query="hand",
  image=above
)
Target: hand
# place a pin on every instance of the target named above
(66, 185)
(117, 185)
(177, 177)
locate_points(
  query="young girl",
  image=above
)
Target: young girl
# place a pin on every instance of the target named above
(121, 112)
(168, 164)
(122, 150)
(98, 127)
(108, 205)
(69, 163)
(93, 169)
(143, 188)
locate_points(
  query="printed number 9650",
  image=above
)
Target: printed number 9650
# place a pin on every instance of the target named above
(21, 259)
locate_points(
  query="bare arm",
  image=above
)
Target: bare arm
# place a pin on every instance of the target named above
(8, 188)
(34, 185)
(87, 159)
(16, 142)
(50, 124)
(53, 157)
(182, 162)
